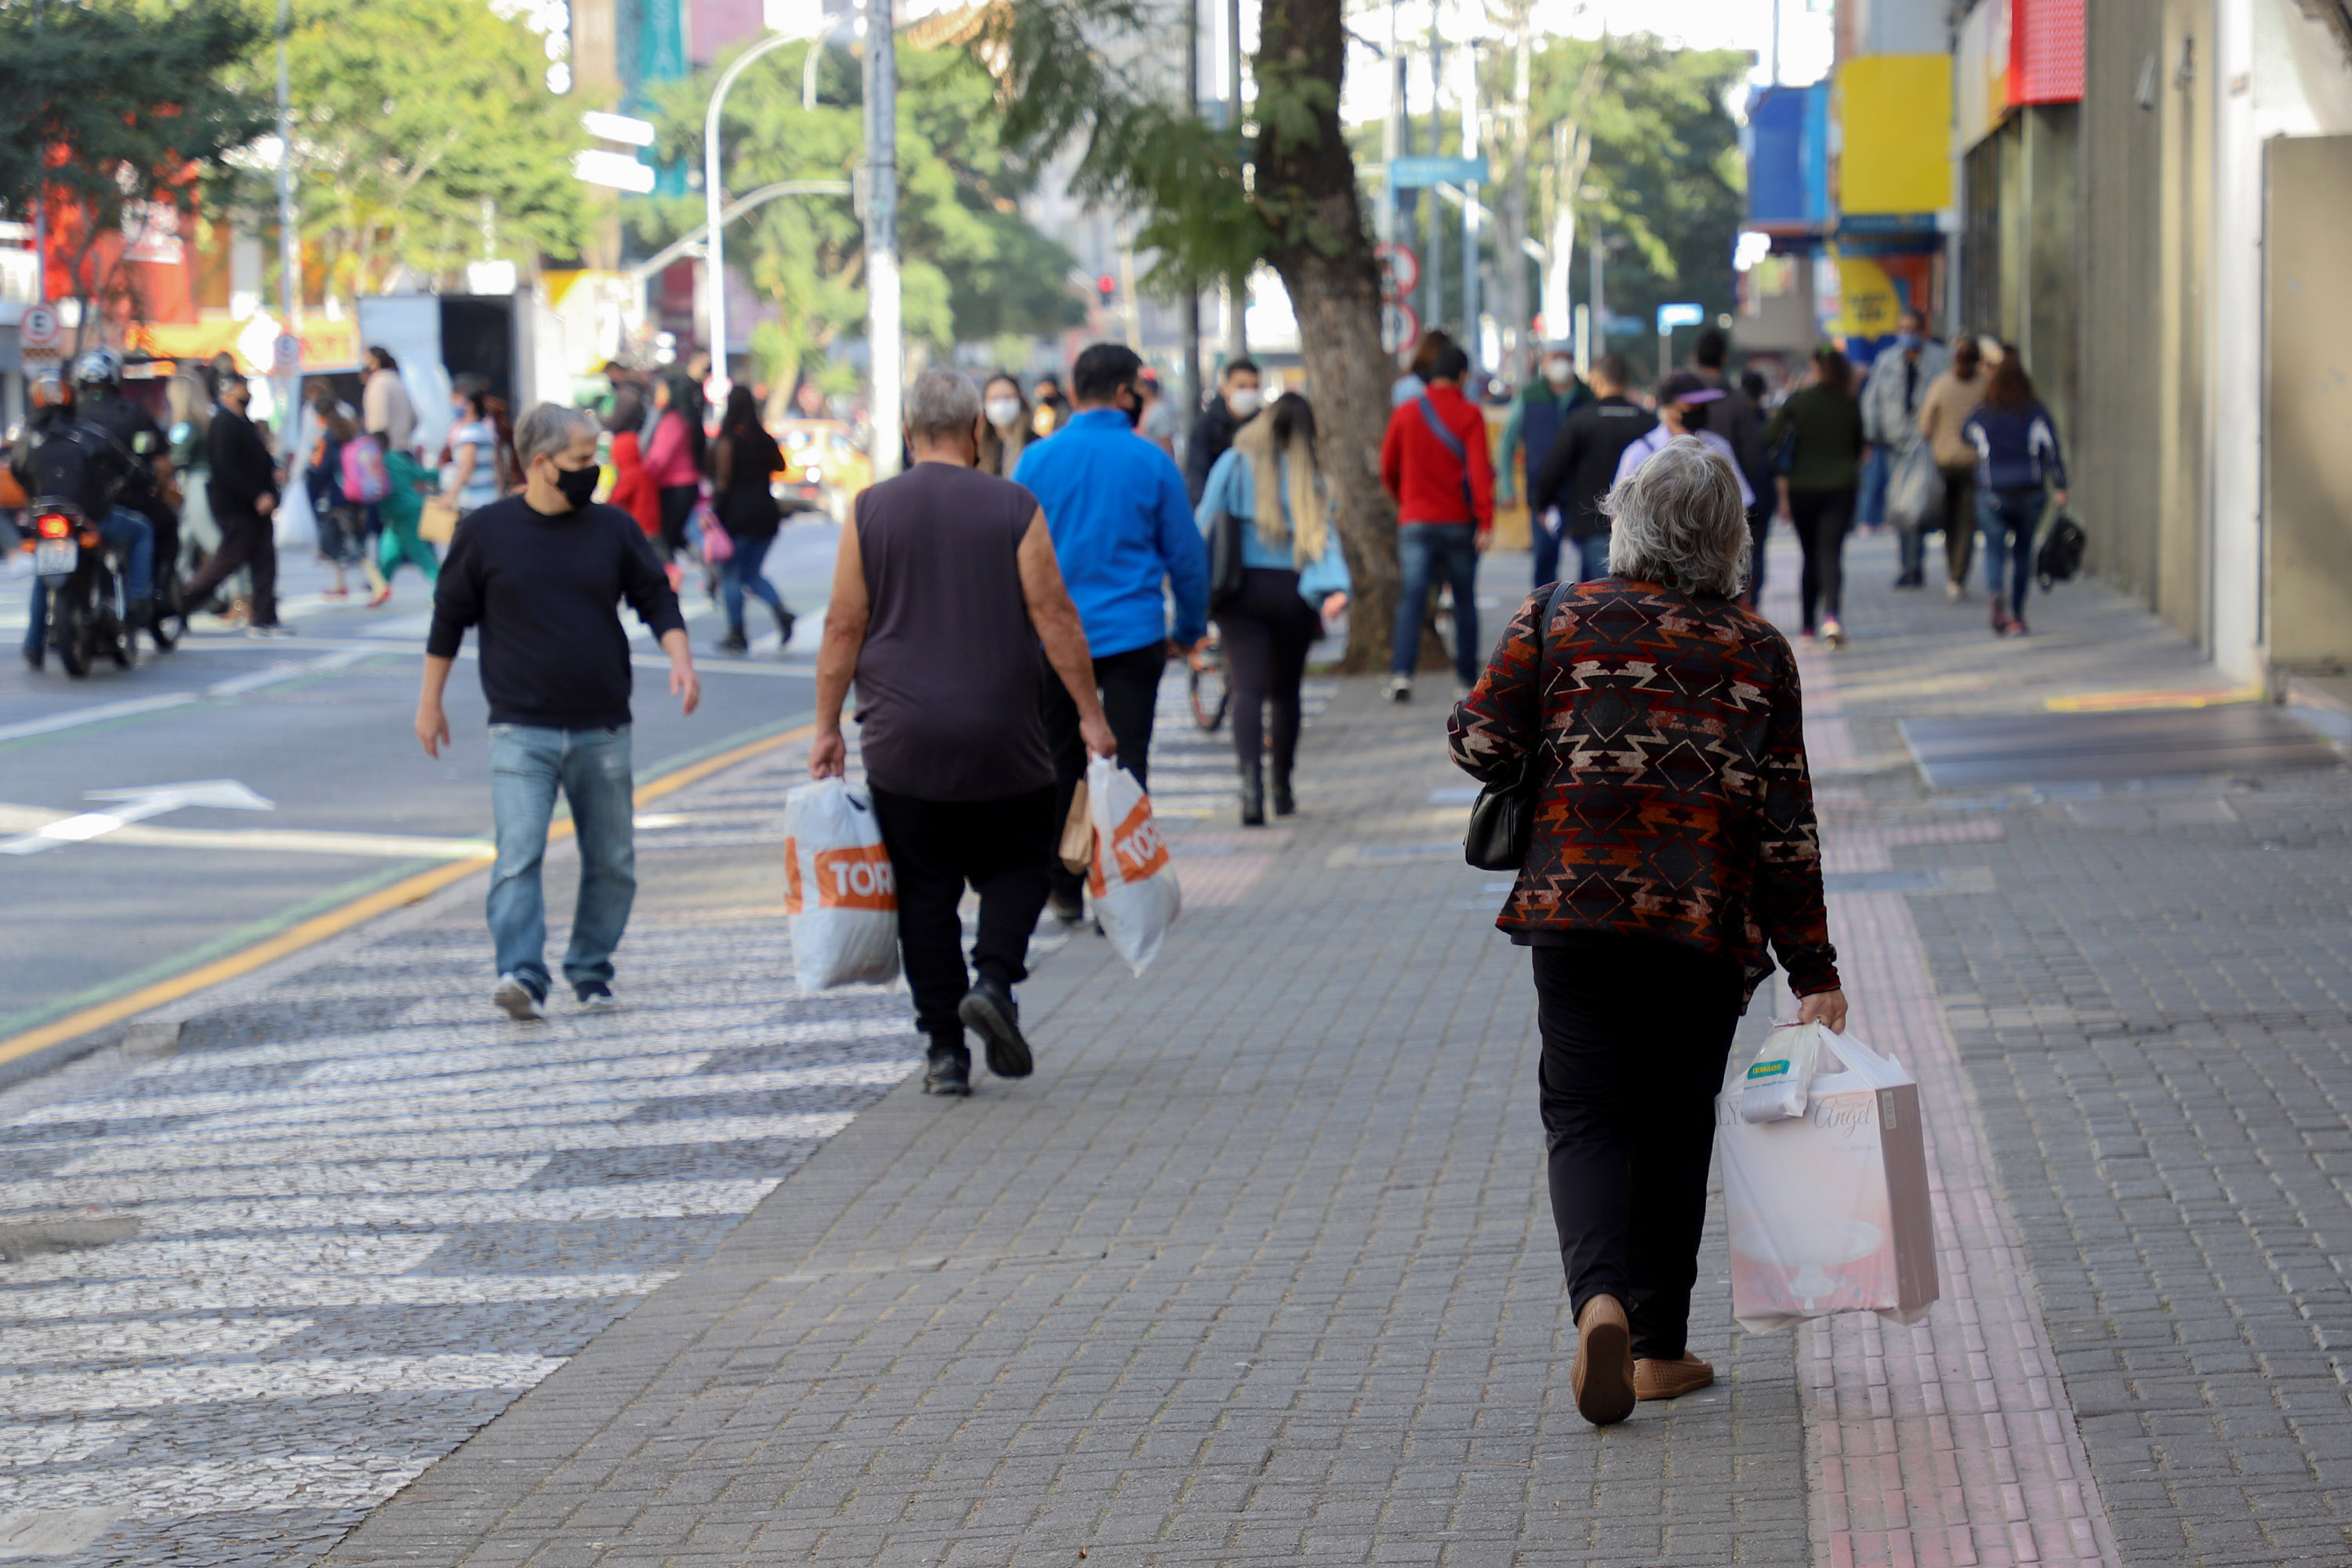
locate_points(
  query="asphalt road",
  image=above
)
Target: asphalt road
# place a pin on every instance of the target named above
(319, 726)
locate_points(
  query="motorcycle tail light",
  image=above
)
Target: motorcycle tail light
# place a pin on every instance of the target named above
(89, 542)
(53, 525)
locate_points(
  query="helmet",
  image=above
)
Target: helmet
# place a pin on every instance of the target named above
(100, 367)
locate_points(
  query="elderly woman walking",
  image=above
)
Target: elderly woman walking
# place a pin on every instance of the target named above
(1659, 725)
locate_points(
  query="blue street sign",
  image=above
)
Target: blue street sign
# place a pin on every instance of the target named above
(1412, 173)
(1672, 316)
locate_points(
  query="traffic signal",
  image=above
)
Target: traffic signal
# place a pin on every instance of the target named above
(1107, 286)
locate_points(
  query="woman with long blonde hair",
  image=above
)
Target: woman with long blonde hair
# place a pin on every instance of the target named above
(1269, 489)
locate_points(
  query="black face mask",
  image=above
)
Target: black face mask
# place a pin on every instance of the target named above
(578, 484)
(1134, 411)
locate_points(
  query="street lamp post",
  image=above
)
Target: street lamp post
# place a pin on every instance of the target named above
(713, 196)
(882, 327)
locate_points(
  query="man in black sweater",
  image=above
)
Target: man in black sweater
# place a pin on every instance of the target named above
(1237, 402)
(541, 577)
(1582, 466)
(243, 490)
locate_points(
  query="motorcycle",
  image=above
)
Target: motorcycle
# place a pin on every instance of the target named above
(77, 569)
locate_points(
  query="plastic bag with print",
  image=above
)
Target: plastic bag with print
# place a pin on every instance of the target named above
(1130, 882)
(1828, 1211)
(838, 890)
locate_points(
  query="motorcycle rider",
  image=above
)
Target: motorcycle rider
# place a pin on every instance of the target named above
(145, 457)
(58, 455)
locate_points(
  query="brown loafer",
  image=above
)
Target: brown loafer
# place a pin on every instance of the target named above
(1603, 1379)
(1655, 1379)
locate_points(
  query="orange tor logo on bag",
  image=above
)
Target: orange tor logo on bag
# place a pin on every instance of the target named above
(856, 878)
(1140, 849)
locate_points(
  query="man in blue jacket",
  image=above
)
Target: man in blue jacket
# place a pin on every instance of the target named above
(1122, 526)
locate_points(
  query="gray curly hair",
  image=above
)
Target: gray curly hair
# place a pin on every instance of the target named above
(1677, 519)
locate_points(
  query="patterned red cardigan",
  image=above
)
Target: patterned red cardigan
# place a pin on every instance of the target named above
(1675, 802)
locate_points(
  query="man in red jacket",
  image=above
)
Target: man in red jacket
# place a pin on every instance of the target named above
(1434, 461)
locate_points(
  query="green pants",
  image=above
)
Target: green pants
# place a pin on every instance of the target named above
(400, 511)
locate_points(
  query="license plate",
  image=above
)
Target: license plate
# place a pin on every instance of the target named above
(56, 557)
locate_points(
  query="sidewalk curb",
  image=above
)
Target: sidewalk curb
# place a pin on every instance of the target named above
(53, 1045)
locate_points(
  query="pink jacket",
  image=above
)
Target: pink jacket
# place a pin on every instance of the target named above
(669, 461)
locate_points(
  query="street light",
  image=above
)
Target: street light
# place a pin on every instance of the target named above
(712, 197)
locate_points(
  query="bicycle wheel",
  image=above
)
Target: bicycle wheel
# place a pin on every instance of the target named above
(1210, 698)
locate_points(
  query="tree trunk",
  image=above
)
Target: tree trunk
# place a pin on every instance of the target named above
(1307, 188)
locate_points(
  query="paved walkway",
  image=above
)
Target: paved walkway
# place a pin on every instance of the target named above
(1257, 1267)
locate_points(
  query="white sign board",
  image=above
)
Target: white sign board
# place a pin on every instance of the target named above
(37, 328)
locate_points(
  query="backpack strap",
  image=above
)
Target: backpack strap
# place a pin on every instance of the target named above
(1445, 437)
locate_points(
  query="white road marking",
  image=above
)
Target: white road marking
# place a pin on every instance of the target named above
(156, 1387)
(136, 806)
(61, 1443)
(161, 1153)
(544, 1205)
(75, 718)
(79, 1344)
(147, 1298)
(53, 1194)
(216, 1486)
(327, 1252)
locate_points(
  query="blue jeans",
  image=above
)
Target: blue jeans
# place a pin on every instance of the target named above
(1591, 556)
(1870, 505)
(591, 767)
(124, 531)
(2007, 520)
(740, 572)
(1423, 551)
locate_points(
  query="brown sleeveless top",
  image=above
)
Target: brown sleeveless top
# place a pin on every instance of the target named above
(950, 678)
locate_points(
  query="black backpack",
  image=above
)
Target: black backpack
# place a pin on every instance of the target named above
(2061, 556)
(72, 463)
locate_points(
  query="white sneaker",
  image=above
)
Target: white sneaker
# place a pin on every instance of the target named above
(1400, 689)
(520, 1002)
(1955, 591)
(1833, 634)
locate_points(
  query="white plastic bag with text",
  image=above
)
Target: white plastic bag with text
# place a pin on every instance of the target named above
(1131, 881)
(838, 890)
(1829, 1211)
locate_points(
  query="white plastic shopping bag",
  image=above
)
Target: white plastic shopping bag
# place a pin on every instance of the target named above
(1776, 1083)
(1828, 1211)
(1132, 883)
(838, 889)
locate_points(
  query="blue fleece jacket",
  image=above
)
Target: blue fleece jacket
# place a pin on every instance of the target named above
(2017, 449)
(1121, 524)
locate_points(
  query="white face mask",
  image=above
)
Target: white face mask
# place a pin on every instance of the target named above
(1244, 401)
(1560, 371)
(1003, 413)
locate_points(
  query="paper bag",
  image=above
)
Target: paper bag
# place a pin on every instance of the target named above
(1078, 850)
(1829, 1212)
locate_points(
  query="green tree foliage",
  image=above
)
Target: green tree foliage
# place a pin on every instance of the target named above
(116, 106)
(424, 138)
(1665, 174)
(971, 266)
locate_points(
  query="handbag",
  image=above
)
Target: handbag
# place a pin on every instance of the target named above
(718, 545)
(1224, 558)
(438, 524)
(1503, 817)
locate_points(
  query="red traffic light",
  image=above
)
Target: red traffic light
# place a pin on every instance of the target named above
(1107, 284)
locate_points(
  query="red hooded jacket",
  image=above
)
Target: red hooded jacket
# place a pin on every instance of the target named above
(1424, 478)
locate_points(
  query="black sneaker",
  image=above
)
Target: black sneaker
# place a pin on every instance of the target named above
(520, 1000)
(989, 1008)
(949, 1072)
(596, 996)
(35, 657)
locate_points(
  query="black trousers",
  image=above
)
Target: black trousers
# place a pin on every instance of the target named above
(1759, 530)
(1959, 523)
(1822, 518)
(1635, 1033)
(1001, 848)
(1129, 685)
(1267, 629)
(246, 540)
(677, 510)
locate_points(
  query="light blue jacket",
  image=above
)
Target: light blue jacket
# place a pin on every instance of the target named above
(1115, 507)
(1232, 485)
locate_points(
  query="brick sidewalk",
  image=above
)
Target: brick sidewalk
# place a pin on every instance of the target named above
(1259, 1265)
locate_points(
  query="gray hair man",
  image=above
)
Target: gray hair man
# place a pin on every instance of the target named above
(539, 576)
(944, 590)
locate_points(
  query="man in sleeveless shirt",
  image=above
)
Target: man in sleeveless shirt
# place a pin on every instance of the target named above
(944, 591)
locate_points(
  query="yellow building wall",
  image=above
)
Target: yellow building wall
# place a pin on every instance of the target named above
(1894, 117)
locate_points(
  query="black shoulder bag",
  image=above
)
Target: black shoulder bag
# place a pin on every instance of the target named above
(1503, 819)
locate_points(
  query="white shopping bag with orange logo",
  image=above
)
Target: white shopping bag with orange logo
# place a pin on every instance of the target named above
(1130, 882)
(838, 890)
(1829, 1210)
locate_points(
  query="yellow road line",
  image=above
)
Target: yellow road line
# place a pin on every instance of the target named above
(2142, 701)
(334, 922)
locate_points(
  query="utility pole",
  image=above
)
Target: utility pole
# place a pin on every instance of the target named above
(1193, 399)
(1433, 263)
(289, 239)
(1234, 124)
(1511, 258)
(1392, 136)
(1598, 298)
(882, 331)
(1470, 209)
